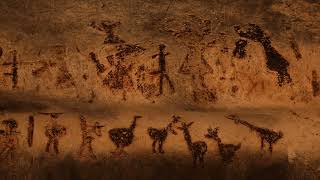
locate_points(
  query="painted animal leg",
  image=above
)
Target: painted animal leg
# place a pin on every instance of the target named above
(56, 146)
(81, 149)
(201, 159)
(270, 147)
(49, 144)
(194, 161)
(161, 147)
(154, 146)
(262, 143)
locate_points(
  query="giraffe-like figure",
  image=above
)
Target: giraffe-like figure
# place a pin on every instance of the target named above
(227, 151)
(89, 132)
(162, 69)
(198, 149)
(271, 137)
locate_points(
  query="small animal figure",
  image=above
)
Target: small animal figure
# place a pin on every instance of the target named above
(265, 134)
(198, 149)
(89, 132)
(160, 135)
(123, 137)
(227, 151)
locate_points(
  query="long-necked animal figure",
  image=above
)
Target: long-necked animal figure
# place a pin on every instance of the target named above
(198, 149)
(227, 151)
(160, 135)
(123, 137)
(265, 134)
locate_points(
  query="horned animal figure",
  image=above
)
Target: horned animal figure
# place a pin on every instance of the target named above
(265, 134)
(123, 137)
(198, 149)
(160, 135)
(227, 151)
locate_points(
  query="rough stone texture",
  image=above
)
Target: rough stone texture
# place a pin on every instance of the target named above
(101, 58)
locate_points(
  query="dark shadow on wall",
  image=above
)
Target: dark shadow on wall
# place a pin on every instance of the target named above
(130, 167)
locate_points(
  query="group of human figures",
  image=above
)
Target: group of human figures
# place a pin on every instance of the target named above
(123, 137)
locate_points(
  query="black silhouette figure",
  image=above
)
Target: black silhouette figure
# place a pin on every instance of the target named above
(160, 135)
(275, 61)
(14, 69)
(271, 137)
(227, 151)
(9, 139)
(89, 132)
(198, 149)
(54, 132)
(162, 69)
(123, 137)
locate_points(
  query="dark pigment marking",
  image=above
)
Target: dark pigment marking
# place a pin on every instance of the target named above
(123, 137)
(240, 49)
(54, 133)
(100, 67)
(296, 49)
(275, 61)
(148, 90)
(162, 69)
(14, 69)
(315, 84)
(198, 149)
(265, 134)
(227, 151)
(128, 49)
(89, 133)
(160, 135)
(30, 130)
(1, 52)
(92, 96)
(65, 77)
(9, 139)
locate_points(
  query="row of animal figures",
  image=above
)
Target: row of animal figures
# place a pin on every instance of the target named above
(123, 137)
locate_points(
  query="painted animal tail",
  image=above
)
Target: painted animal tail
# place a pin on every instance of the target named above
(133, 124)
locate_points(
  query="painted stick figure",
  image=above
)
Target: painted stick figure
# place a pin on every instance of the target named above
(162, 69)
(14, 69)
(9, 139)
(54, 132)
(88, 135)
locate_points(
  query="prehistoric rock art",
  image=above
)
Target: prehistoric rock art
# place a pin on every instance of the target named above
(8, 139)
(295, 47)
(146, 88)
(124, 50)
(240, 49)
(123, 137)
(315, 84)
(65, 78)
(100, 67)
(160, 135)
(30, 130)
(1, 52)
(119, 78)
(162, 69)
(271, 137)
(227, 151)
(54, 132)
(108, 28)
(14, 69)
(275, 61)
(89, 132)
(92, 96)
(201, 92)
(45, 67)
(198, 149)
